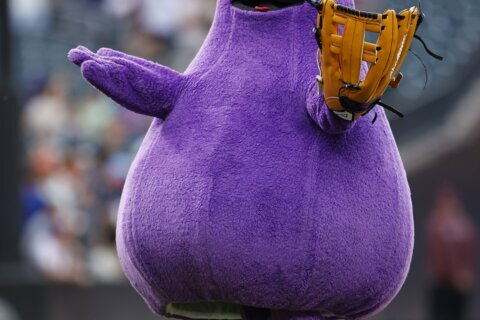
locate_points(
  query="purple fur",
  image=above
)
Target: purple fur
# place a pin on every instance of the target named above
(250, 190)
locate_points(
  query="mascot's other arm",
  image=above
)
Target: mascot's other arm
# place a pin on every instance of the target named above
(320, 113)
(139, 85)
(352, 89)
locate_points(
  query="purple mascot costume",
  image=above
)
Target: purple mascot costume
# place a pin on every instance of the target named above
(248, 198)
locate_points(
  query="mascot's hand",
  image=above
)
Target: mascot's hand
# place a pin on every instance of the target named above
(137, 84)
(340, 33)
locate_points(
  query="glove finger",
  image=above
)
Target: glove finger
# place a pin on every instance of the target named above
(352, 51)
(80, 54)
(387, 73)
(378, 71)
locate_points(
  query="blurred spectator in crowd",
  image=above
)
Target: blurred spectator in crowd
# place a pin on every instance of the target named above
(79, 145)
(46, 113)
(52, 248)
(452, 254)
(7, 312)
(30, 15)
(77, 157)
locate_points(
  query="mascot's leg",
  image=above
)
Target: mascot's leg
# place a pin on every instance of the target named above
(251, 313)
(295, 315)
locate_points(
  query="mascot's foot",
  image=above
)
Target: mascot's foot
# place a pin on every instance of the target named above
(251, 313)
(295, 315)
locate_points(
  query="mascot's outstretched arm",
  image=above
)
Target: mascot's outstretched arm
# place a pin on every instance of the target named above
(139, 85)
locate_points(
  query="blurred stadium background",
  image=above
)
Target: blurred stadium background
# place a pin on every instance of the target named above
(65, 149)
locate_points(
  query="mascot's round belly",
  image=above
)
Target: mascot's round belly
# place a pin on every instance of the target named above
(254, 204)
(247, 191)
